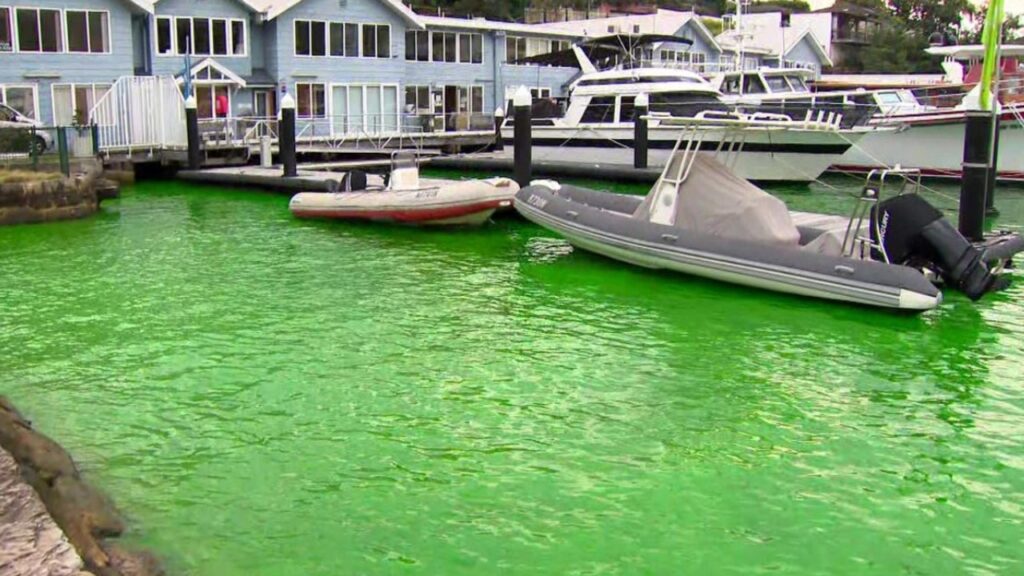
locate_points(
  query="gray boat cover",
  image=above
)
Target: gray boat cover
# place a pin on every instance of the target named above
(713, 200)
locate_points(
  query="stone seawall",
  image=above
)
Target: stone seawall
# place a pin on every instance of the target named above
(86, 517)
(48, 200)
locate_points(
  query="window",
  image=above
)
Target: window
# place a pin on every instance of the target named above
(636, 28)
(777, 83)
(476, 99)
(559, 45)
(183, 34)
(318, 38)
(417, 99)
(88, 31)
(39, 30)
(417, 46)
(449, 48)
(198, 36)
(312, 100)
(477, 52)
(164, 40)
(302, 42)
(73, 103)
(515, 48)
(20, 98)
(337, 39)
(201, 35)
(437, 42)
(6, 36)
(540, 93)
(219, 37)
(752, 84)
(465, 47)
(238, 37)
(352, 40)
(599, 110)
(376, 41)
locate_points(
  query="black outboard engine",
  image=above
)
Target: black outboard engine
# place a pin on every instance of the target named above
(913, 233)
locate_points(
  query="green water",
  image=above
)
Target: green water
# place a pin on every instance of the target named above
(274, 397)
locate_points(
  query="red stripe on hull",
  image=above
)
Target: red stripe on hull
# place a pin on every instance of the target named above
(409, 215)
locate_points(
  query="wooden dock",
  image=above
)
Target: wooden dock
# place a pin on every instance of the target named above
(308, 180)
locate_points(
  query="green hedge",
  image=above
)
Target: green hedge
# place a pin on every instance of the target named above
(15, 140)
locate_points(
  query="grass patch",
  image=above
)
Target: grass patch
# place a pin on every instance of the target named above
(22, 176)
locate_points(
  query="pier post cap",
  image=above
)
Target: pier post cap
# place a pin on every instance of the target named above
(499, 112)
(642, 100)
(287, 102)
(191, 103)
(522, 97)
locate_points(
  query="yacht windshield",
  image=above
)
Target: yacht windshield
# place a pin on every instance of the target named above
(777, 83)
(797, 83)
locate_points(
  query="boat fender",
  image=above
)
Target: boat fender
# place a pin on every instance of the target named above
(550, 184)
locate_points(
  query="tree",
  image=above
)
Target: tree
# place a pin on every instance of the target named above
(929, 16)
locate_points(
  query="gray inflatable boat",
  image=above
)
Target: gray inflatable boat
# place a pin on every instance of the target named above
(702, 219)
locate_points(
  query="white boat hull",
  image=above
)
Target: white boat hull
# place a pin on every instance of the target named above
(767, 156)
(933, 144)
(433, 203)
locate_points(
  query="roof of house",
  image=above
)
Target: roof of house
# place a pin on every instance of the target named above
(773, 41)
(484, 24)
(660, 22)
(274, 8)
(254, 5)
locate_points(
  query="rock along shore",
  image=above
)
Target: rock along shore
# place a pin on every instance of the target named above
(48, 198)
(46, 509)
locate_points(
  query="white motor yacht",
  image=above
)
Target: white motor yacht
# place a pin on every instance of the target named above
(597, 121)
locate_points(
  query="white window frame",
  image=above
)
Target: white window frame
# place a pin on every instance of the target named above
(327, 100)
(525, 50)
(10, 30)
(86, 11)
(73, 86)
(39, 30)
(192, 26)
(362, 37)
(35, 95)
(399, 95)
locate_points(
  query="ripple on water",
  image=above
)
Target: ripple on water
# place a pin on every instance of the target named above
(266, 396)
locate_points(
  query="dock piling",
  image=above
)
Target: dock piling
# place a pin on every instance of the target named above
(976, 167)
(499, 119)
(523, 145)
(192, 132)
(286, 138)
(62, 150)
(640, 130)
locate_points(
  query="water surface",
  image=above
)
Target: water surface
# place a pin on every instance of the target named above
(274, 397)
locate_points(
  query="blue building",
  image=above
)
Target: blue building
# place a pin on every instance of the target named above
(351, 66)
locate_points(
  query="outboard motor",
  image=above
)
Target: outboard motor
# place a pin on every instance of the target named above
(913, 232)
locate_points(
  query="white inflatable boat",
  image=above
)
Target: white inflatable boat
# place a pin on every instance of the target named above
(408, 199)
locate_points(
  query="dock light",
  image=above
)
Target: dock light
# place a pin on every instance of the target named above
(642, 100)
(499, 121)
(287, 101)
(191, 103)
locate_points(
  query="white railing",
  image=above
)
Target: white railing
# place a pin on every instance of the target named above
(141, 113)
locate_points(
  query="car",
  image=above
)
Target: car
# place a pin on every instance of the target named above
(11, 118)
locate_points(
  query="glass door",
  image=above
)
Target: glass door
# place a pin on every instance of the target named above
(390, 111)
(357, 120)
(373, 109)
(339, 110)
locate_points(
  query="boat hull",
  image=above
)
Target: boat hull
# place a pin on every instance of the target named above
(932, 143)
(784, 270)
(462, 203)
(767, 156)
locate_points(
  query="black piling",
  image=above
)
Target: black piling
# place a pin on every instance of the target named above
(640, 131)
(976, 166)
(993, 173)
(499, 120)
(286, 140)
(62, 150)
(523, 145)
(195, 157)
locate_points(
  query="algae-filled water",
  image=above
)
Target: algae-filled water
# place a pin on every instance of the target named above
(264, 396)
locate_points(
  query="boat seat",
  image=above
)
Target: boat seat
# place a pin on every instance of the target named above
(354, 181)
(405, 178)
